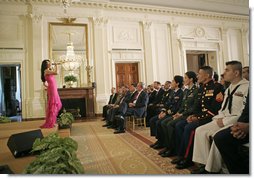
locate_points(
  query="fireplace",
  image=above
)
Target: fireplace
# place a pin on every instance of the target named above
(75, 106)
(78, 98)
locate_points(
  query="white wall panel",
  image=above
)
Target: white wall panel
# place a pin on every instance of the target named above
(161, 52)
(125, 35)
(234, 44)
(11, 32)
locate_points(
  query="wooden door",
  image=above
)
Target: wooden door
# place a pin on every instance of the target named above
(126, 74)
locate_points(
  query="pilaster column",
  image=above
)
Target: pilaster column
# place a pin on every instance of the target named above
(150, 72)
(175, 46)
(224, 39)
(33, 49)
(244, 33)
(101, 61)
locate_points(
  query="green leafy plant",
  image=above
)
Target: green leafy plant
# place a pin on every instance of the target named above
(57, 156)
(70, 78)
(65, 119)
(4, 119)
(53, 141)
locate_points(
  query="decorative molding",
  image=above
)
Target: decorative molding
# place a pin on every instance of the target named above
(244, 30)
(35, 18)
(67, 20)
(224, 30)
(200, 32)
(174, 27)
(100, 21)
(141, 9)
(125, 55)
(12, 55)
(125, 36)
(147, 25)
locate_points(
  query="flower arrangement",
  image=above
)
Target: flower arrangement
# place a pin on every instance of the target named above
(70, 78)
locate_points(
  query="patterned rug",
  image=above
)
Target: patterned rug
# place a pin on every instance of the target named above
(102, 152)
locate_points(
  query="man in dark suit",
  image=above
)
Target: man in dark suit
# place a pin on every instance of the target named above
(231, 139)
(154, 99)
(112, 100)
(136, 108)
(120, 110)
(156, 107)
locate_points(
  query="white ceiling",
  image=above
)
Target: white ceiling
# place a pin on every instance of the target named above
(224, 6)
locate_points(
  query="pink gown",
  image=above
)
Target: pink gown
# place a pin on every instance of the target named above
(54, 103)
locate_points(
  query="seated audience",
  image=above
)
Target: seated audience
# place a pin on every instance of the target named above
(206, 108)
(111, 101)
(230, 142)
(154, 99)
(172, 105)
(187, 108)
(246, 73)
(136, 108)
(233, 104)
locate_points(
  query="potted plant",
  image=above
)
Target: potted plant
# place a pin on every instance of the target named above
(70, 79)
(56, 156)
(65, 120)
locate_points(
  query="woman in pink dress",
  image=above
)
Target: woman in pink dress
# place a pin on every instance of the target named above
(54, 103)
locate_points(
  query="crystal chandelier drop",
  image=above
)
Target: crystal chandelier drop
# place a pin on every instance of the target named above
(70, 61)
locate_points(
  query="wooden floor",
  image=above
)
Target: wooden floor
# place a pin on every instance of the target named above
(17, 165)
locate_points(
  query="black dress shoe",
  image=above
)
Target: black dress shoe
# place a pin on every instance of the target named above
(167, 154)
(177, 160)
(152, 145)
(119, 131)
(112, 127)
(199, 170)
(184, 164)
(163, 151)
(158, 146)
(105, 125)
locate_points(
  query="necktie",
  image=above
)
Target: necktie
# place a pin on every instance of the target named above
(229, 99)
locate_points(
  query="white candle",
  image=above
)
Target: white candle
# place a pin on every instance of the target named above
(91, 62)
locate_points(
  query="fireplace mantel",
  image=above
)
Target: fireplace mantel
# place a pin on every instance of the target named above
(74, 93)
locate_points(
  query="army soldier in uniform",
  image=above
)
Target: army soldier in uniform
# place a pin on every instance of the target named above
(168, 93)
(171, 107)
(207, 107)
(187, 108)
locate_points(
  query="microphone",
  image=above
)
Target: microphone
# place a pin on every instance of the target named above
(56, 63)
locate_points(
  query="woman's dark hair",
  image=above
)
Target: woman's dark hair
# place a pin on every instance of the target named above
(44, 66)
(192, 75)
(179, 79)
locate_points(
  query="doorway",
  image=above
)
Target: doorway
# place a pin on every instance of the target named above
(196, 59)
(10, 91)
(126, 74)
